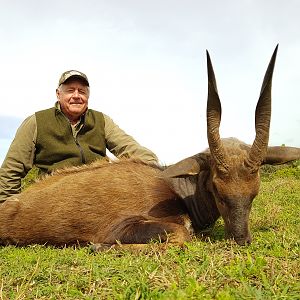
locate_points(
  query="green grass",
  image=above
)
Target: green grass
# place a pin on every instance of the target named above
(208, 268)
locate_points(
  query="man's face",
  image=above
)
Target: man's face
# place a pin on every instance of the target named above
(73, 97)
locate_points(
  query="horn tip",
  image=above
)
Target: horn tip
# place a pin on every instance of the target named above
(275, 50)
(207, 54)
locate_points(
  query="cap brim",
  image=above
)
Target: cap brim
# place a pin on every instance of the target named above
(78, 77)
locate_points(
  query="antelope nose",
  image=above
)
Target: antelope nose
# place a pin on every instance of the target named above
(243, 241)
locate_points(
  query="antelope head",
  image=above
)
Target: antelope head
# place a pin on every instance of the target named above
(235, 177)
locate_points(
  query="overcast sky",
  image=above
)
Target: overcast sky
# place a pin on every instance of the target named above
(146, 64)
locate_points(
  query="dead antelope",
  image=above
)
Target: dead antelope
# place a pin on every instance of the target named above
(129, 202)
(225, 179)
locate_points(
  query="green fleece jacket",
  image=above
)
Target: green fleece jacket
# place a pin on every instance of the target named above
(58, 146)
(22, 154)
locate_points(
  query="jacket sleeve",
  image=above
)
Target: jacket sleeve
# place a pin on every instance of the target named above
(121, 144)
(19, 159)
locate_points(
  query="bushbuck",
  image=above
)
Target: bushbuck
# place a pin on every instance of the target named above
(131, 203)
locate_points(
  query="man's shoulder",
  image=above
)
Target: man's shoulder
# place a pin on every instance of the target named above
(29, 120)
(96, 113)
(28, 125)
(45, 110)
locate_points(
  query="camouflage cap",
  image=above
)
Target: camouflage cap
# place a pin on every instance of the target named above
(68, 74)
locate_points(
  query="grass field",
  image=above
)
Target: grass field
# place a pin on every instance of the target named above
(208, 268)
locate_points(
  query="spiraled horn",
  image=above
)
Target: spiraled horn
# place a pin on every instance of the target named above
(213, 117)
(262, 118)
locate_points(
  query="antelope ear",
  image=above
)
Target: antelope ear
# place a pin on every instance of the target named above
(189, 166)
(281, 154)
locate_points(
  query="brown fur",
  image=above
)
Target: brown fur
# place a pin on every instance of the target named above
(100, 203)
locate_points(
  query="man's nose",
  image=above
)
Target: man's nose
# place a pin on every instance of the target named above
(76, 94)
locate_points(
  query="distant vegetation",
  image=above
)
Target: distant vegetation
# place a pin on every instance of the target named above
(208, 268)
(292, 169)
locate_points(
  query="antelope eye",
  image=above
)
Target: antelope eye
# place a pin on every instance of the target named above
(222, 201)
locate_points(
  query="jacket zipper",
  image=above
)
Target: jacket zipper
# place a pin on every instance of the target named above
(83, 160)
(82, 157)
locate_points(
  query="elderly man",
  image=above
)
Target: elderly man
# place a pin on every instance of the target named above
(69, 134)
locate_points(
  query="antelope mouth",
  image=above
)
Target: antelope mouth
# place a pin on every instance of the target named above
(243, 241)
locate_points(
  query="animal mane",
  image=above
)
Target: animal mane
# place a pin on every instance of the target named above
(98, 164)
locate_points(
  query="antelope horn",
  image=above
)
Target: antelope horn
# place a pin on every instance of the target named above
(262, 118)
(213, 117)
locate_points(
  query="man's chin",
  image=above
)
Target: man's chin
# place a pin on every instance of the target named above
(76, 108)
(76, 113)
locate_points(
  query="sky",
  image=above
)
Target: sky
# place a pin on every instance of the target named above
(146, 64)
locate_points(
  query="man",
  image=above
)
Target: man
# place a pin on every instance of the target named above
(68, 134)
